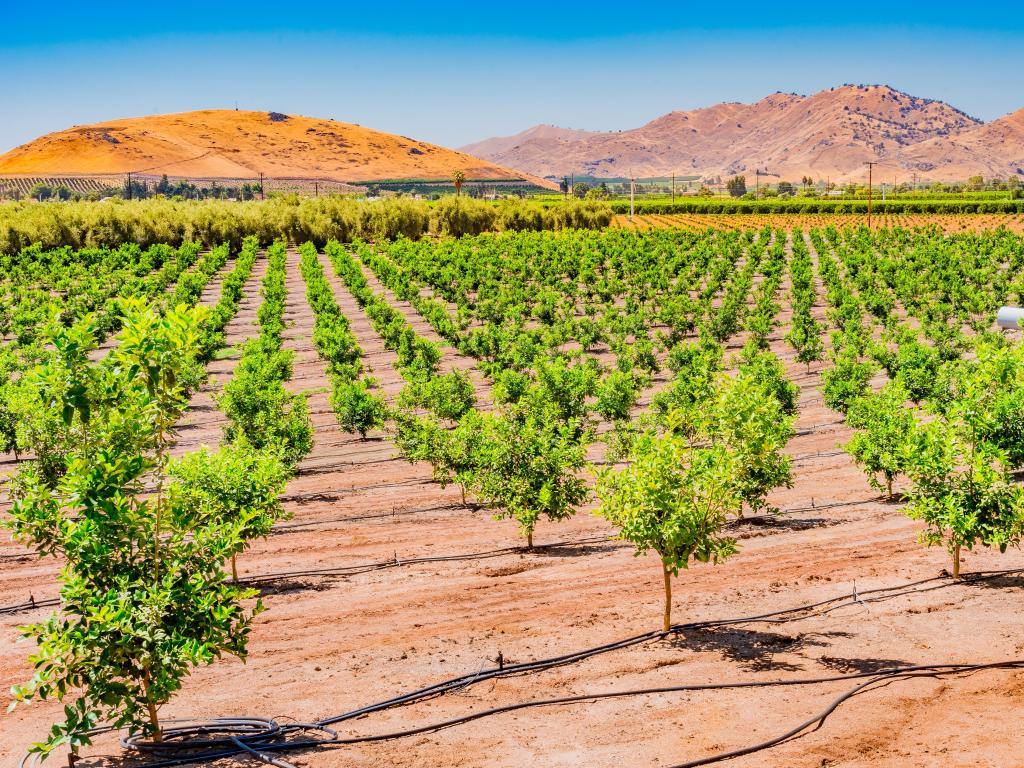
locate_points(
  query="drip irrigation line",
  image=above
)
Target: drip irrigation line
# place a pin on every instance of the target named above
(816, 429)
(870, 679)
(28, 605)
(369, 516)
(397, 562)
(354, 570)
(258, 736)
(817, 455)
(876, 680)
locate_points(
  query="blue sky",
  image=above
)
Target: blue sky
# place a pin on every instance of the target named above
(452, 73)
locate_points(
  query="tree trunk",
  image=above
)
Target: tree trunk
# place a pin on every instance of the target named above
(234, 570)
(956, 561)
(888, 486)
(463, 489)
(529, 539)
(667, 575)
(154, 721)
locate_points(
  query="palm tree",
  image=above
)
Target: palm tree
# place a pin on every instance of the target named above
(458, 178)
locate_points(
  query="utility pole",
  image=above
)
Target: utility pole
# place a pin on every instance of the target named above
(757, 183)
(673, 188)
(129, 185)
(632, 193)
(262, 196)
(871, 167)
(316, 189)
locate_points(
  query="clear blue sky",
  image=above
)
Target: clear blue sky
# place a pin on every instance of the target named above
(452, 73)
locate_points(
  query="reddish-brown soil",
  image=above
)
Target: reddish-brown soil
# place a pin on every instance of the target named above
(329, 645)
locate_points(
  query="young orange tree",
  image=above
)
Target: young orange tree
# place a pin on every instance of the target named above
(143, 592)
(673, 499)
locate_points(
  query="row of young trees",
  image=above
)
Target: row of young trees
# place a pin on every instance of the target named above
(950, 425)
(711, 447)
(145, 538)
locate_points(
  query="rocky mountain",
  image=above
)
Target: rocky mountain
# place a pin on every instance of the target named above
(831, 134)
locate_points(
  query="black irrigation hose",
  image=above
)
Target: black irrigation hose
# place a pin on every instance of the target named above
(351, 570)
(29, 605)
(873, 679)
(266, 735)
(354, 570)
(282, 527)
(876, 679)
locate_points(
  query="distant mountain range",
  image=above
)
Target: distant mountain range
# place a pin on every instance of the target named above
(829, 135)
(233, 144)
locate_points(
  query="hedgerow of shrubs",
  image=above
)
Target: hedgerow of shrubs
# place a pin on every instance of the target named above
(147, 222)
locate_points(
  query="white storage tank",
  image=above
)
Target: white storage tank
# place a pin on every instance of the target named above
(1010, 317)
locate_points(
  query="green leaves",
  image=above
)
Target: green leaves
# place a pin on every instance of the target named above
(673, 498)
(143, 595)
(885, 428)
(356, 407)
(962, 490)
(261, 412)
(845, 381)
(527, 464)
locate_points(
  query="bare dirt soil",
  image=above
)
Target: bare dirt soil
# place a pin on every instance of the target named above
(331, 644)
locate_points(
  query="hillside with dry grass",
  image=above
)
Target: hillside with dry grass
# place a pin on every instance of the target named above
(830, 134)
(229, 144)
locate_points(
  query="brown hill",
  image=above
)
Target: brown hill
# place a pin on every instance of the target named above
(829, 134)
(231, 144)
(993, 149)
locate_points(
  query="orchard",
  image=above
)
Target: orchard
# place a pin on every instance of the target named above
(396, 450)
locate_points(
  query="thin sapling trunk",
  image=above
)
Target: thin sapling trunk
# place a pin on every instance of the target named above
(667, 575)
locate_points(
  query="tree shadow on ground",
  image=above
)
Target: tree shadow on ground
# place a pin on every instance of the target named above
(783, 523)
(755, 649)
(573, 550)
(284, 586)
(860, 665)
(1009, 581)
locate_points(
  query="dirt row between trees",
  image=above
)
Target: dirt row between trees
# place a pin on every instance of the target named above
(331, 644)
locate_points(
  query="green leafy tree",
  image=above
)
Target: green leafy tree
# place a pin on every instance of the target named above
(236, 486)
(143, 592)
(884, 427)
(260, 411)
(749, 421)
(674, 498)
(767, 370)
(617, 395)
(962, 490)
(805, 336)
(847, 380)
(529, 460)
(356, 407)
(580, 190)
(737, 186)
(449, 396)
(50, 434)
(454, 455)
(8, 409)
